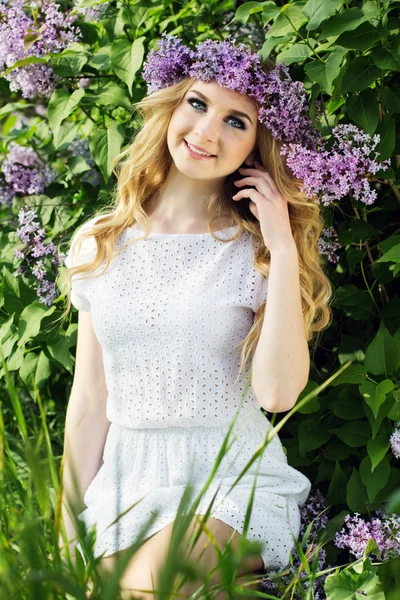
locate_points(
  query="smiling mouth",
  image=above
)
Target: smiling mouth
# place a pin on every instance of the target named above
(200, 154)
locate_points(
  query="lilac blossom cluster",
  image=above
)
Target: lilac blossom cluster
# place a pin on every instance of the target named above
(331, 174)
(314, 510)
(24, 173)
(328, 244)
(395, 441)
(383, 529)
(55, 32)
(32, 235)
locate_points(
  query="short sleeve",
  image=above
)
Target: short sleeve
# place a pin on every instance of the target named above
(80, 252)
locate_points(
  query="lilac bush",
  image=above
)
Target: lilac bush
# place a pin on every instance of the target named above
(32, 235)
(24, 172)
(383, 529)
(328, 244)
(54, 31)
(332, 174)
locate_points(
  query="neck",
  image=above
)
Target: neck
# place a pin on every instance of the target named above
(182, 201)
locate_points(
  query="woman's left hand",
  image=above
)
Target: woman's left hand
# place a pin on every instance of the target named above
(267, 205)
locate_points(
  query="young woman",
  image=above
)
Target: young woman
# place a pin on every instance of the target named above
(207, 225)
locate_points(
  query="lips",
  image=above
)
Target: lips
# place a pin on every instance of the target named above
(198, 148)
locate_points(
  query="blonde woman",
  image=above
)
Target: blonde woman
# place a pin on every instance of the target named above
(211, 279)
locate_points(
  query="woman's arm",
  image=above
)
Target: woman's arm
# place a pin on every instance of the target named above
(86, 425)
(281, 363)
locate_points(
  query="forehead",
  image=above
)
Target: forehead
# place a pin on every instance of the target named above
(226, 98)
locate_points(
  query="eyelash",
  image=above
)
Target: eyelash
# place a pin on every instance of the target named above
(242, 125)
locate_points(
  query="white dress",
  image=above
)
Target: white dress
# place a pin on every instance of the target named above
(168, 313)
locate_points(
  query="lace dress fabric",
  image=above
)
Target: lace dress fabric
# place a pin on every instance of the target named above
(168, 313)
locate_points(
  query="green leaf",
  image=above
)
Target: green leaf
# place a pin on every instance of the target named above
(30, 320)
(244, 11)
(312, 435)
(317, 11)
(382, 356)
(290, 18)
(377, 449)
(387, 133)
(356, 493)
(324, 72)
(353, 374)
(294, 54)
(126, 59)
(362, 38)
(337, 487)
(105, 144)
(350, 585)
(384, 410)
(113, 95)
(70, 62)
(360, 74)
(29, 60)
(375, 395)
(353, 433)
(374, 482)
(363, 109)
(346, 20)
(100, 59)
(87, 3)
(392, 255)
(61, 105)
(355, 303)
(390, 97)
(386, 58)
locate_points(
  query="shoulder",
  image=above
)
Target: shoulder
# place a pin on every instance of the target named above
(82, 250)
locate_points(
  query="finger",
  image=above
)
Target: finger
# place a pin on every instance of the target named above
(248, 193)
(260, 183)
(266, 177)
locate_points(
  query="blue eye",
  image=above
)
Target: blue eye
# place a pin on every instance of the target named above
(192, 101)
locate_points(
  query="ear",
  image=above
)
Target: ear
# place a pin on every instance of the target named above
(249, 161)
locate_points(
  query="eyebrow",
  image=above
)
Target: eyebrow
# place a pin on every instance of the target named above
(236, 112)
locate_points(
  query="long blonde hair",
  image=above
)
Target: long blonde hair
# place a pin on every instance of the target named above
(142, 168)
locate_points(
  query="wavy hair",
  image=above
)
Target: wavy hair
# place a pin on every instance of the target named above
(142, 168)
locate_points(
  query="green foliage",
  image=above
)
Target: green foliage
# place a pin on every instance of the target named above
(346, 55)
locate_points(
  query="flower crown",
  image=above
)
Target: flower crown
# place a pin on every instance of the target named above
(237, 68)
(283, 110)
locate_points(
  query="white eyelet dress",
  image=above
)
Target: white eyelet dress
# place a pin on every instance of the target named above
(168, 313)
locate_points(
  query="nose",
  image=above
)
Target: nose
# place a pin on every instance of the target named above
(207, 130)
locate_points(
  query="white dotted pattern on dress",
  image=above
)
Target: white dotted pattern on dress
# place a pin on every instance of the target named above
(167, 313)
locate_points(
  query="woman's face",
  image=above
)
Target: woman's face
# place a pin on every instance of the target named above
(208, 118)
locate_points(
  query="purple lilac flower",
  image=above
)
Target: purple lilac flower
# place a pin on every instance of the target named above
(328, 244)
(395, 441)
(32, 235)
(331, 174)
(6, 195)
(24, 172)
(166, 65)
(313, 510)
(56, 34)
(383, 529)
